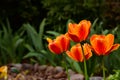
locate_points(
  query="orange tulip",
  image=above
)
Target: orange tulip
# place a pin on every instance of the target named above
(76, 52)
(79, 32)
(103, 45)
(59, 45)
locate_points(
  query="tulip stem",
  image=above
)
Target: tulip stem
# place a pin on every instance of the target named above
(68, 76)
(85, 66)
(85, 69)
(103, 68)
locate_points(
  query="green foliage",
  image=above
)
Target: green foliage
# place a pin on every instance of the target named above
(98, 28)
(37, 47)
(115, 76)
(74, 65)
(60, 11)
(34, 36)
(11, 45)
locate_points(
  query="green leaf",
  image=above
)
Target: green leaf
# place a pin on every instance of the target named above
(48, 57)
(74, 65)
(114, 30)
(29, 47)
(41, 31)
(18, 42)
(105, 32)
(53, 33)
(8, 26)
(34, 36)
(94, 23)
(77, 67)
(32, 54)
(115, 76)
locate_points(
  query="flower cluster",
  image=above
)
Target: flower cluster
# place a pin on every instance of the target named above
(81, 51)
(100, 44)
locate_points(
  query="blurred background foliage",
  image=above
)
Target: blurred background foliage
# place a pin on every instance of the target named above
(58, 12)
(25, 24)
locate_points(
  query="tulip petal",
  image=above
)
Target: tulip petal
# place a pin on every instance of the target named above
(73, 31)
(79, 32)
(110, 40)
(83, 29)
(54, 48)
(58, 45)
(74, 37)
(93, 37)
(71, 56)
(99, 44)
(64, 41)
(72, 28)
(76, 53)
(49, 40)
(114, 47)
(87, 51)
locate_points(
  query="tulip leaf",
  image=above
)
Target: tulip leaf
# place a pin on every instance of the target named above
(33, 54)
(105, 32)
(30, 48)
(77, 67)
(41, 31)
(74, 65)
(53, 33)
(94, 23)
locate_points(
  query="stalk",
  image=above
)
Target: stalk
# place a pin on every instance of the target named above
(85, 66)
(68, 76)
(103, 69)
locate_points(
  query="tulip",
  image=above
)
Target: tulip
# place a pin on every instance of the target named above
(58, 45)
(103, 45)
(79, 32)
(3, 71)
(76, 52)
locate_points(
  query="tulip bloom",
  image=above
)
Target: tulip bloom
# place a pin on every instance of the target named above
(3, 72)
(76, 52)
(103, 45)
(79, 32)
(59, 45)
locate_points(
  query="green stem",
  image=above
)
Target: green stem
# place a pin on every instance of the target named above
(68, 76)
(85, 69)
(103, 69)
(85, 66)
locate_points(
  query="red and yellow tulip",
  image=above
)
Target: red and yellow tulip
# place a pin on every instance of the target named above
(58, 45)
(76, 52)
(103, 45)
(79, 32)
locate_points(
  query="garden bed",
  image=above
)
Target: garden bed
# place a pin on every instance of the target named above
(27, 71)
